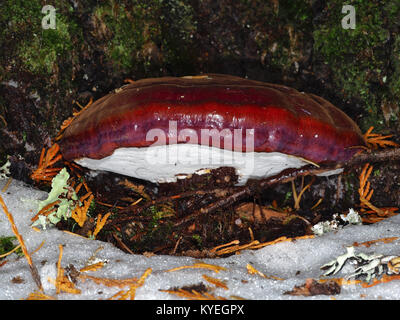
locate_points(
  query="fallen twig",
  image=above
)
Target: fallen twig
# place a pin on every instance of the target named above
(253, 186)
(231, 195)
(34, 272)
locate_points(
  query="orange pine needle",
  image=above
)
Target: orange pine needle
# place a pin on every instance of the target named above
(218, 283)
(233, 246)
(369, 243)
(38, 295)
(68, 121)
(47, 159)
(46, 210)
(200, 265)
(365, 192)
(111, 205)
(237, 248)
(101, 221)
(385, 278)
(297, 198)
(7, 185)
(340, 281)
(252, 270)
(79, 214)
(282, 239)
(234, 242)
(93, 267)
(38, 248)
(33, 269)
(78, 187)
(375, 140)
(364, 175)
(131, 292)
(120, 283)
(9, 252)
(4, 120)
(62, 283)
(372, 216)
(87, 195)
(193, 295)
(59, 270)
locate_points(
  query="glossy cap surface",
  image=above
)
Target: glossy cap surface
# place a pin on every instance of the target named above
(284, 120)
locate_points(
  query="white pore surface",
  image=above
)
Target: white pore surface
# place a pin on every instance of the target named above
(292, 261)
(169, 162)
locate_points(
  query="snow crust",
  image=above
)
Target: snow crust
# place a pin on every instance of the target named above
(293, 261)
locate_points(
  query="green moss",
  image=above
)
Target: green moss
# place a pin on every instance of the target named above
(41, 54)
(126, 27)
(284, 33)
(393, 81)
(7, 244)
(177, 26)
(39, 49)
(198, 240)
(358, 57)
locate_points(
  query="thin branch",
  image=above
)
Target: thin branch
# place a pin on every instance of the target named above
(289, 175)
(374, 156)
(32, 267)
(232, 195)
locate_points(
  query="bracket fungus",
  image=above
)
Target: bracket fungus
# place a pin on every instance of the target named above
(163, 129)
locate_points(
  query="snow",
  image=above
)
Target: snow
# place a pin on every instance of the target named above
(293, 261)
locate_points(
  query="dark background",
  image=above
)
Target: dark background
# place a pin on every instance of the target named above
(98, 44)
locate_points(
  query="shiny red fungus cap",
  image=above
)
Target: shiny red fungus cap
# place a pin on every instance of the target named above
(284, 120)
